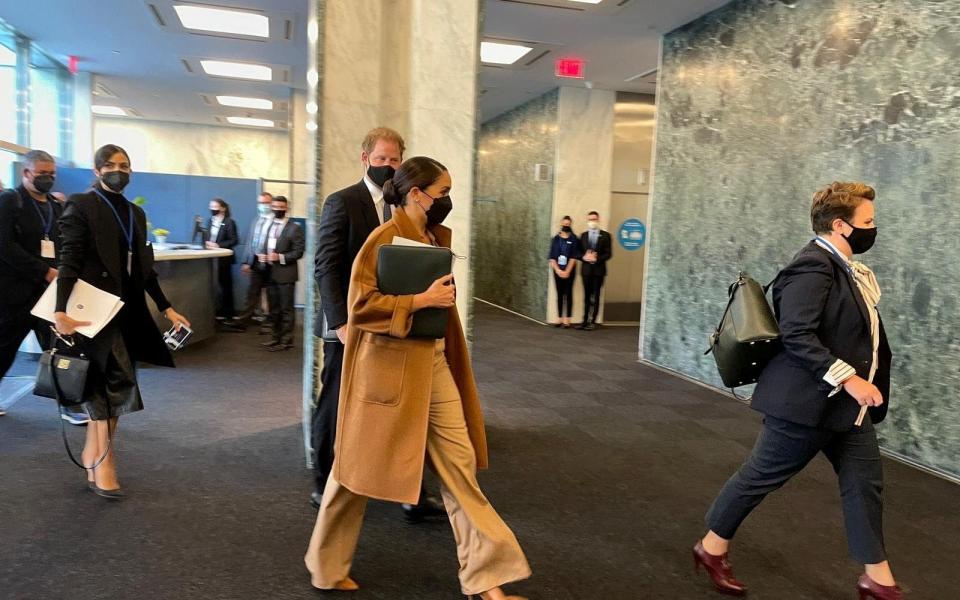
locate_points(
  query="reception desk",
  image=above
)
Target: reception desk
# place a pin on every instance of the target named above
(188, 279)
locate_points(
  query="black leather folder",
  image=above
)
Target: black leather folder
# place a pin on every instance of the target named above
(406, 270)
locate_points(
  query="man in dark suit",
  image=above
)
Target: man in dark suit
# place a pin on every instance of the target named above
(597, 250)
(256, 284)
(280, 247)
(29, 248)
(346, 221)
(823, 392)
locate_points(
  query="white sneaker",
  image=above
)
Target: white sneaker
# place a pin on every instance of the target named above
(75, 418)
(2, 412)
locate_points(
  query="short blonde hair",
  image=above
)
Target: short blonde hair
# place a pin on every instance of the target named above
(838, 200)
(382, 133)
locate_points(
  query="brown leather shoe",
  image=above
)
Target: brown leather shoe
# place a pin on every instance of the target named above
(871, 590)
(719, 570)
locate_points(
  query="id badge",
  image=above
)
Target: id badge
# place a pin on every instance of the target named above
(47, 249)
(562, 261)
(129, 262)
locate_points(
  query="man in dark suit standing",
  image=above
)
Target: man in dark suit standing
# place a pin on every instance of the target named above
(597, 250)
(823, 392)
(346, 221)
(256, 284)
(280, 247)
(29, 248)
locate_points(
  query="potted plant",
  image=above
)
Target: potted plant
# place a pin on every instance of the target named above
(161, 236)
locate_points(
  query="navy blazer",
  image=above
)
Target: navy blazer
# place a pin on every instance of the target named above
(822, 317)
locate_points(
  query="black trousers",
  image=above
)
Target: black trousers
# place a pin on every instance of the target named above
(592, 286)
(280, 299)
(225, 281)
(782, 450)
(15, 323)
(323, 429)
(257, 284)
(565, 294)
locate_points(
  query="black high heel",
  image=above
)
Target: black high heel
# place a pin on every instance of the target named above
(116, 494)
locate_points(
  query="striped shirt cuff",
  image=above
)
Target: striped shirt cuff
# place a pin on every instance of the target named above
(838, 373)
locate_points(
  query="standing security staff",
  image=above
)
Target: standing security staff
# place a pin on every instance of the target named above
(258, 229)
(276, 260)
(597, 248)
(29, 249)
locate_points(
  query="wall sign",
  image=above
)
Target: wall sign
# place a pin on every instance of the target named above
(632, 234)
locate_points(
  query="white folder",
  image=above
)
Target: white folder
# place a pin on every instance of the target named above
(87, 303)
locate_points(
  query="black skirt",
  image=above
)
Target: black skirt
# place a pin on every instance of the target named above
(112, 388)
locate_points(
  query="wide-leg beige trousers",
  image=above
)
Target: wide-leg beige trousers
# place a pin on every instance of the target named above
(489, 553)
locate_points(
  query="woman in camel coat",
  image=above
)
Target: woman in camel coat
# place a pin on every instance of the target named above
(405, 399)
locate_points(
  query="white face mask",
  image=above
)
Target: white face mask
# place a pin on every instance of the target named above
(593, 224)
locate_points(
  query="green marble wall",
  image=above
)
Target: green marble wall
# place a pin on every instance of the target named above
(763, 101)
(512, 212)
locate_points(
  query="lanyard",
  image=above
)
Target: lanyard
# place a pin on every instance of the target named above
(48, 222)
(829, 248)
(127, 233)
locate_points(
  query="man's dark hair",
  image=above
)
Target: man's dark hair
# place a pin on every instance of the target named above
(593, 213)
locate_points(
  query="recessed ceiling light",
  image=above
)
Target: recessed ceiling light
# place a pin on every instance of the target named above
(588, 1)
(250, 122)
(222, 20)
(223, 68)
(243, 102)
(498, 53)
(116, 111)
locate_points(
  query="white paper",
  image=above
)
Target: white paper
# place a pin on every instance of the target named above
(87, 303)
(402, 241)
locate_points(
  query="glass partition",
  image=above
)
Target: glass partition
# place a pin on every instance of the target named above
(48, 80)
(8, 88)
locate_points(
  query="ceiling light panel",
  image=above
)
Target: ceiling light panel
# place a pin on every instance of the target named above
(223, 20)
(237, 70)
(250, 122)
(244, 102)
(113, 111)
(501, 53)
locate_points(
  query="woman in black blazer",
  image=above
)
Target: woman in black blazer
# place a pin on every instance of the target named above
(104, 242)
(222, 233)
(822, 393)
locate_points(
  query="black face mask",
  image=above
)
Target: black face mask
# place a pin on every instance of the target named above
(439, 210)
(279, 213)
(861, 239)
(115, 180)
(566, 229)
(380, 175)
(43, 183)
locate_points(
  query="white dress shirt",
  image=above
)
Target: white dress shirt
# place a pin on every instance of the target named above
(377, 194)
(215, 224)
(276, 228)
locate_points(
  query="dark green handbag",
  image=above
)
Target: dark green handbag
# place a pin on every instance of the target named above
(747, 336)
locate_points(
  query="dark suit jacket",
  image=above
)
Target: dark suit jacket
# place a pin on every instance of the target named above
(291, 244)
(227, 238)
(822, 317)
(604, 253)
(346, 221)
(90, 250)
(23, 274)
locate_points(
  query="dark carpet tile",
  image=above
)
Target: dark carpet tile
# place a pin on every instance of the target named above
(603, 467)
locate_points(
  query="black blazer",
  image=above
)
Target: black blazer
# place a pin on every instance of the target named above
(822, 317)
(227, 237)
(23, 274)
(604, 253)
(90, 250)
(290, 243)
(347, 219)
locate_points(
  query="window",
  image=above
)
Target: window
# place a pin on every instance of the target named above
(8, 88)
(48, 80)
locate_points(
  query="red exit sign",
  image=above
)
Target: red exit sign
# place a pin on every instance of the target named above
(571, 68)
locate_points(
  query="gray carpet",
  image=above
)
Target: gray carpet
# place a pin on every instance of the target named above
(602, 467)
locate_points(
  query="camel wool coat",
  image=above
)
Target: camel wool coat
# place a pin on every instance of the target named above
(387, 378)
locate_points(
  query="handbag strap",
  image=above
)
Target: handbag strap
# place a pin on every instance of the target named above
(63, 428)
